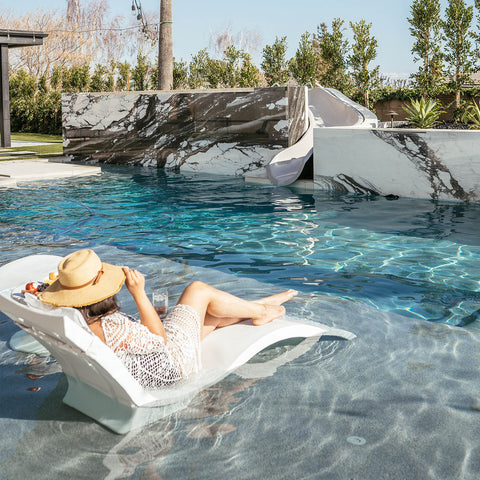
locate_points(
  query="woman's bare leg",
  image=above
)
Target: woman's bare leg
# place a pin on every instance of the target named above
(219, 309)
(276, 299)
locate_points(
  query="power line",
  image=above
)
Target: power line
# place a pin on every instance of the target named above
(102, 29)
(136, 8)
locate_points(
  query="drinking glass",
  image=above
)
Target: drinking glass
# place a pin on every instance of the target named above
(160, 301)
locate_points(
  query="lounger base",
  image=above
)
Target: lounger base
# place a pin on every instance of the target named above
(108, 411)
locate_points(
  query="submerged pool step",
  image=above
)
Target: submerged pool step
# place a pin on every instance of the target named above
(42, 169)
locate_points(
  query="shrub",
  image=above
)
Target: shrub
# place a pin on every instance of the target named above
(424, 113)
(472, 115)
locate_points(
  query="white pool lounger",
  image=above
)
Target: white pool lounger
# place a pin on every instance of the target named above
(100, 386)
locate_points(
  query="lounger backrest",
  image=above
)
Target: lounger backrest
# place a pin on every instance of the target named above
(80, 353)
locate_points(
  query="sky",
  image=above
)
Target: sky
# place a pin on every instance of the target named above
(194, 21)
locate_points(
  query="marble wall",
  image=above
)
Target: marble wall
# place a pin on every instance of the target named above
(215, 131)
(437, 164)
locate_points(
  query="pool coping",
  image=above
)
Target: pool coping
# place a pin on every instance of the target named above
(13, 171)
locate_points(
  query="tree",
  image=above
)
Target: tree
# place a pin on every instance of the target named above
(180, 74)
(249, 73)
(230, 67)
(459, 53)
(245, 40)
(98, 82)
(364, 51)
(140, 73)
(303, 66)
(123, 76)
(73, 79)
(275, 64)
(197, 69)
(214, 73)
(165, 47)
(34, 107)
(426, 28)
(237, 69)
(111, 70)
(62, 47)
(48, 112)
(76, 78)
(333, 49)
(476, 35)
(82, 34)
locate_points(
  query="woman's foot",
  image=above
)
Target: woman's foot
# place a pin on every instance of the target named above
(270, 313)
(278, 298)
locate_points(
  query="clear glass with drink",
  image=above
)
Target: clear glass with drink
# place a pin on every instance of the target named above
(160, 301)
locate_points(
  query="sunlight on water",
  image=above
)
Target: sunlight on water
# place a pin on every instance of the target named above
(417, 258)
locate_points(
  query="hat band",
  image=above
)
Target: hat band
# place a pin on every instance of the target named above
(93, 281)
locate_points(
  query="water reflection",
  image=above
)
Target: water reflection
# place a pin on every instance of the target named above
(455, 221)
(419, 258)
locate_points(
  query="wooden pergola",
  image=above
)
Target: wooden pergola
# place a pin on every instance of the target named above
(11, 39)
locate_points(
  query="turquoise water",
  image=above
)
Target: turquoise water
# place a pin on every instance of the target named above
(400, 401)
(417, 258)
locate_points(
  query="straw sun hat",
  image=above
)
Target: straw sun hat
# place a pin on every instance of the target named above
(82, 280)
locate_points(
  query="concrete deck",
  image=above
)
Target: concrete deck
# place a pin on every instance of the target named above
(13, 171)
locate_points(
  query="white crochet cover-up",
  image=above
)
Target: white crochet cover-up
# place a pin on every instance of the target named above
(150, 361)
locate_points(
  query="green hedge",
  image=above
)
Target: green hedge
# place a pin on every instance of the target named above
(35, 107)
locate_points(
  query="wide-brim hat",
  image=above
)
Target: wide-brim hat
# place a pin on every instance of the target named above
(83, 280)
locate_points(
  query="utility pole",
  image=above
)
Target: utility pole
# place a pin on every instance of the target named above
(165, 47)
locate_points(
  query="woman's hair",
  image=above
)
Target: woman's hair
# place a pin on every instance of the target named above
(95, 311)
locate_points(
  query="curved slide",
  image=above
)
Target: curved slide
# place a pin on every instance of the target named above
(327, 107)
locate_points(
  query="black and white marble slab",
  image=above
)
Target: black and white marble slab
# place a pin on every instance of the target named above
(434, 164)
(222, 131)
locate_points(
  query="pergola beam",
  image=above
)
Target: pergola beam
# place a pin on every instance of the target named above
(11, 39)
(18, 38)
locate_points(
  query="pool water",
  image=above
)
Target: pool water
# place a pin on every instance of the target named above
(400, 401)
(418, 258)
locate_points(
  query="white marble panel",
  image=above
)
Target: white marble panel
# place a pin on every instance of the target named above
(225, 159)
(438, 164)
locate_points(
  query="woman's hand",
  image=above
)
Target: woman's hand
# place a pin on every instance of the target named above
(135, 282)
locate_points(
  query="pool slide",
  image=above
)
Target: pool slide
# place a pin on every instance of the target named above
(327, 107)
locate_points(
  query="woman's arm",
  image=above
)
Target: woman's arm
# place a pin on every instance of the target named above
(135, 283)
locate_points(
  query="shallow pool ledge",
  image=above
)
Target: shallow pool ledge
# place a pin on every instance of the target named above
(434, 164)
(13, 171)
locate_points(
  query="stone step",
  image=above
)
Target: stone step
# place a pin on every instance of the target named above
(16, 157)
(41, 169)
(19, 152)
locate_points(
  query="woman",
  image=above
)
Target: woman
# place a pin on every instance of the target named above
(156, 353)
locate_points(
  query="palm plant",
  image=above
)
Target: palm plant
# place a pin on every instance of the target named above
(424, 113)
(472, 115)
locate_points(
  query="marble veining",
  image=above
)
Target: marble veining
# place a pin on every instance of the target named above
(423, 157)
(434, 164)
(230, 131)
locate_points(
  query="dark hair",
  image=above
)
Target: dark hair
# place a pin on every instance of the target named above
(95, 311)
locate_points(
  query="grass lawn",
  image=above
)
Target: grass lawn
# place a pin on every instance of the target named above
(46, 150)
(38, 151)
(36, 137)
